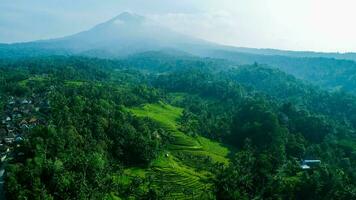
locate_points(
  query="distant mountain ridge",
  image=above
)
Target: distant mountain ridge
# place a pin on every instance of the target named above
(129, 33)
(122, 35)
(289, 53)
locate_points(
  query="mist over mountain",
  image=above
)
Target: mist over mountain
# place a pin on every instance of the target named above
(129, 33)
(131, 109)
(122, 35)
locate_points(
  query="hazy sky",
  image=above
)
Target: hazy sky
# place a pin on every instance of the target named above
(321, 25)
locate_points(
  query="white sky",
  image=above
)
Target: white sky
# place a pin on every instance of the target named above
(319, 25)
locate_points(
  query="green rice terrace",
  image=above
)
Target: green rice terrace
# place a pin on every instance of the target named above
(178, 165)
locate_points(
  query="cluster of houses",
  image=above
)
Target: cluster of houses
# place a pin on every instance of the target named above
(18, 117)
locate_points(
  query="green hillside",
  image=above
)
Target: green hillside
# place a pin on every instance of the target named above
(101, 129)
(177, 167)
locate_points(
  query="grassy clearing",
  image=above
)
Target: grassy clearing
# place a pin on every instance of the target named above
(74, 83)
(349, 145)
(177, 167)
(165, 114)
(35, 79)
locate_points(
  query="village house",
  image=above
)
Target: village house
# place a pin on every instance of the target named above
(33, 122)
(12, 102)
(18, 139)
(25, 101)
(23, 124)
(9, 140)
(308, 164)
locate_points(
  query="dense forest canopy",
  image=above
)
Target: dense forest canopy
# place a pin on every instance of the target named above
(168, 126)
(323, 70)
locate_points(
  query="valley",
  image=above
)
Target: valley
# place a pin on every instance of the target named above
(180, 168)
(132, 109)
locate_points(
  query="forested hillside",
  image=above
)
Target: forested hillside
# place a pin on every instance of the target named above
(327, 72)
(172, 126)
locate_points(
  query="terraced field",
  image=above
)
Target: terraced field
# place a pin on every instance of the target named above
(178, 166)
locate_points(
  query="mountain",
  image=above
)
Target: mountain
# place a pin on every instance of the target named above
(296, 54)
(130, 33)
(122, 35)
